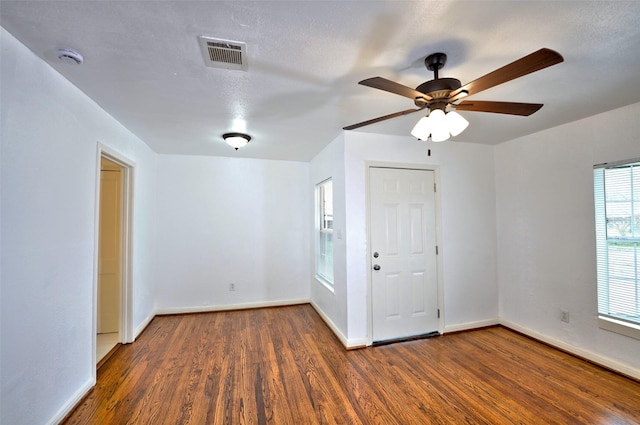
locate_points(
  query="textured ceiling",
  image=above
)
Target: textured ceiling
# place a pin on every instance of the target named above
(144, 67)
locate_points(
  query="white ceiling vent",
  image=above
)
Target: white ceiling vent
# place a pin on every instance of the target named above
(225, 54)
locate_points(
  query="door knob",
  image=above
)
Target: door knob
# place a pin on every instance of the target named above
(376, 267)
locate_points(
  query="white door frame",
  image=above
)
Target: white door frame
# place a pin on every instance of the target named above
(439, 267)
(126, 331)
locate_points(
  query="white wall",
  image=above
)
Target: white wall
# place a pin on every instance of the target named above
(546, 236)
(467, 211)
(332, 304)
(227, 220)
(50, 132)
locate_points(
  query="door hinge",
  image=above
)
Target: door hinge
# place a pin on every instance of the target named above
(438, 313)
(434, 187)
(436, 249)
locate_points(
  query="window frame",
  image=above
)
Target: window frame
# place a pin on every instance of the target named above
(614, 322)
(324, 231)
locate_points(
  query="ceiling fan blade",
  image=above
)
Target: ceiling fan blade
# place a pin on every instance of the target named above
(385, 117)
(511, 108)
(393, 87)
(535, 61)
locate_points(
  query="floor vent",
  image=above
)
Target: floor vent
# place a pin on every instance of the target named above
(224, 54)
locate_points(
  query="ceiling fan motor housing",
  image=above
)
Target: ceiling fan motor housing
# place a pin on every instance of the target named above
(437, 89)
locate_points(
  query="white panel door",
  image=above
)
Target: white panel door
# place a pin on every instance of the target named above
(403, 253)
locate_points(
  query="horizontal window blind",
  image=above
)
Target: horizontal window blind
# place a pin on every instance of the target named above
(617, 208)
(324, 236)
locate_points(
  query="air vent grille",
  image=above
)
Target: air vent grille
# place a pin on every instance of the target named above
(225, 54)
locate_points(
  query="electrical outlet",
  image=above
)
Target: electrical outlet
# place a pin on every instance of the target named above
(564, 315)
(232, 287)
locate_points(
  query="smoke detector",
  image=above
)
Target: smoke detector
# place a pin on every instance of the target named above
(70, 56)
(226, 54)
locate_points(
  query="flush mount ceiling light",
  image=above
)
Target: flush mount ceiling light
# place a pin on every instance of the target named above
(236, 140)
(439, 125)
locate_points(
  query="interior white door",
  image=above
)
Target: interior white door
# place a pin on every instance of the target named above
(403, 253)
(109, 247)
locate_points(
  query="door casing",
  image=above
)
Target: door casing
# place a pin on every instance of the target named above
(126, 330)
(439, 259)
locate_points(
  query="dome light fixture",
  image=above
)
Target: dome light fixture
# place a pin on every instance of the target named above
(236, 140)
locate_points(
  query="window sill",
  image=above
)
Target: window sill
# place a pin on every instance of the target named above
(618, 326)
(325, 283)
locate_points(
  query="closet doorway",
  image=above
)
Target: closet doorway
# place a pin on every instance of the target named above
(109, 258)
(113, 275)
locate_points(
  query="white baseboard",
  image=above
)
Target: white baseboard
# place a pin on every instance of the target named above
(471, 325)
(349, 344)
(142, 326)
(581, 352)
(71, 403)
(226, 307)
(355, 343)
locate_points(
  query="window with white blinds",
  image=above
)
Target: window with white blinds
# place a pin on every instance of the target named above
(617, 208)
(324, 234)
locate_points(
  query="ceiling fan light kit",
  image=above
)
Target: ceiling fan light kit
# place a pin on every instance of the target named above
(441, 93)
(439, 132)
(422, 130)
(456, 123)
(439, 126)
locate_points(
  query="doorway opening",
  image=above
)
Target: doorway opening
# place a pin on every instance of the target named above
(112, 303)
(109, 258)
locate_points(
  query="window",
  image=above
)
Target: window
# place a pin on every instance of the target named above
(324, 235)
(617, 207)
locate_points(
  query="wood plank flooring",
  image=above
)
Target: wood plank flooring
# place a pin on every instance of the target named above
(284, 366)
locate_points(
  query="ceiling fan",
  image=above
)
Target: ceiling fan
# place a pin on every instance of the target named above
(439, 93)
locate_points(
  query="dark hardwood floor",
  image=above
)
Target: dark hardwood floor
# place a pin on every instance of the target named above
(284, 366)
